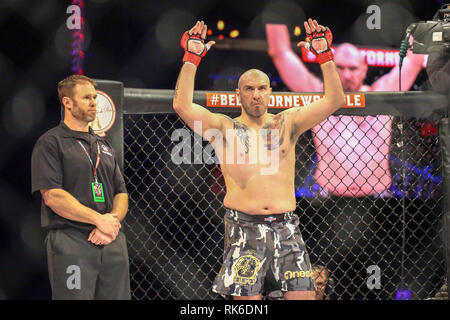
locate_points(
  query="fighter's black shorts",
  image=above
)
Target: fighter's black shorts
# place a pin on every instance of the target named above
(253, 244)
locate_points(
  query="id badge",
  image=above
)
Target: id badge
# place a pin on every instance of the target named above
(97, 192)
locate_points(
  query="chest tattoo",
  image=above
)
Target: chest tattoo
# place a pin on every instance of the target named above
(273, 132)
(242, 131)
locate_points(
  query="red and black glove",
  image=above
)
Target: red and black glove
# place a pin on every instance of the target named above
(193, 43)
(318, 40)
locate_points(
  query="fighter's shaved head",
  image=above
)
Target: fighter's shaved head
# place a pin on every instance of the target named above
(348, 52)
(351, 66)
(251, 74)
(254, 92)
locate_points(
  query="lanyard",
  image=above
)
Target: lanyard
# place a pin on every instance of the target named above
(90, 160)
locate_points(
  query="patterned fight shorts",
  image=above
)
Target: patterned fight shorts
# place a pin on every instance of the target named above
(253, 244)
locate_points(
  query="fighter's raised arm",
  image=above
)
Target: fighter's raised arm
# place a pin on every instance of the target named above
(412, 65)
(292, 70)
(318, 40)
(193, 42)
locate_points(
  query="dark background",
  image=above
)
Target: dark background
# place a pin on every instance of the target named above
(136, 42)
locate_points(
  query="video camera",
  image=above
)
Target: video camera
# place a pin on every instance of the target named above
(428, 34)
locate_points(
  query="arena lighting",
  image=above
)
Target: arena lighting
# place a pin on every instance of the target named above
(297, 31)
(220, 25)
(78, 42)
(403, 294)
(234, 33)
(428, 129)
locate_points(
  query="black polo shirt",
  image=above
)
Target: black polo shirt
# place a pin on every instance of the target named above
(58, 161)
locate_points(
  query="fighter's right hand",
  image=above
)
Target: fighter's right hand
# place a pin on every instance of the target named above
(193, 43)
(108, 224)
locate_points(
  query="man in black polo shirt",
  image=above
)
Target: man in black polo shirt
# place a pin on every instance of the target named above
(83, 201)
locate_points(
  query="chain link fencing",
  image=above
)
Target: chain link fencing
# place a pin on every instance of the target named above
(175, 228)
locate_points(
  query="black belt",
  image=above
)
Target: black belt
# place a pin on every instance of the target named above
(259, 218)
(269, 218)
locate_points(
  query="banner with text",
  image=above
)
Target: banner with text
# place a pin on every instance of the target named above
(373, 57)
(282, 101)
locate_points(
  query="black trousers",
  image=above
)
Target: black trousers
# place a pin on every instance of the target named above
(81, 270)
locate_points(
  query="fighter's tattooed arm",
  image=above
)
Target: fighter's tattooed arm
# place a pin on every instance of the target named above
(242, 131)
(196, 117)
(274, 132)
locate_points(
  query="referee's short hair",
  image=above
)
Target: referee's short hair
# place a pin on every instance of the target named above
(66, 86)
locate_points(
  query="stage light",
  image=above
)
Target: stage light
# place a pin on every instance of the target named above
(78, 42)
(220, 25)
(297, 31)
(209, 32)
(234, 34)
(403, 294)
(428, 129)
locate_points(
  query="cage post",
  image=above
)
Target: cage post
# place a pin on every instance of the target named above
(114, 90)
(444, 136)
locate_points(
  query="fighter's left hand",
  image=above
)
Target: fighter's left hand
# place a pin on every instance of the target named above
(318, 40)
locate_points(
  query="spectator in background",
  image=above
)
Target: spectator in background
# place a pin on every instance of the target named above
(324, 283)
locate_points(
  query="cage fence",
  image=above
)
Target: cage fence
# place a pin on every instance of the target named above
(175, 228)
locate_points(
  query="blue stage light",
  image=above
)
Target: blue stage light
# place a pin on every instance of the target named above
(404, 294)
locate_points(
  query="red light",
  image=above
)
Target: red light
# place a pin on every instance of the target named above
(428, 129)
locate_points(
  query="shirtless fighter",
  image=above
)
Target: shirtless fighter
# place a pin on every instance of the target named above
(261, 229)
